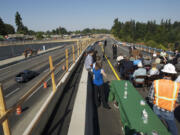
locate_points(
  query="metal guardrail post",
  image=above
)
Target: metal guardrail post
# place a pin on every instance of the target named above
(5, 124)
(78, 49)
(84, 46)
(66, 59)
(52, 74)
(73, 54)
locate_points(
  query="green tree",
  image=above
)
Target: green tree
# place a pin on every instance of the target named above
(160, 35)
(86, 31)
(62, 31)
(39, 35)
(18, 21)
(20, 27)
(116, 28)
(9, 29)
(2, 27)
(31, 32)
(152, 43)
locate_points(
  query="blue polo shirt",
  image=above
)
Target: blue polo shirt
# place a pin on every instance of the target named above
(135, 62)
(97, 77)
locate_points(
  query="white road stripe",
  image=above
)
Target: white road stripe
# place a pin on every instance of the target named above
(34, 92)
(12, 92)
(46, 70)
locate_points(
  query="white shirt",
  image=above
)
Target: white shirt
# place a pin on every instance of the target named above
(153, 71)
(163, 54)
(88, 62)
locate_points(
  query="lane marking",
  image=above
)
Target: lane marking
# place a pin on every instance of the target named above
(112, 68)
(34, 92)
(37, 89)
(46, 70)
(11, 93)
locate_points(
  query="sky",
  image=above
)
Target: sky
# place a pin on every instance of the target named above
(43, 15)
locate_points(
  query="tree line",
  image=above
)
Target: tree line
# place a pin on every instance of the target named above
(163, 35)
(22, 29)
(6, 28)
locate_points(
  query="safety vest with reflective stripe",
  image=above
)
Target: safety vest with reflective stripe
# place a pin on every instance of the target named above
(166, 93)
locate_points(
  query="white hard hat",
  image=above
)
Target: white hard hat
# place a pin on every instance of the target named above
(119, 58)
(169, 68)
(154, 54)
(157, 60)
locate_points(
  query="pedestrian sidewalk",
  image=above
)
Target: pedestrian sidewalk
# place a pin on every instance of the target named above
(19, 58)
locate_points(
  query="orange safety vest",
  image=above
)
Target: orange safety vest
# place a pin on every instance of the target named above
(166, 93)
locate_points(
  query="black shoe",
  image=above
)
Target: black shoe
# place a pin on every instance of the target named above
(107, 106)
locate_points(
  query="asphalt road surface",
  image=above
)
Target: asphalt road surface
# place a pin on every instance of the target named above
(13, 90)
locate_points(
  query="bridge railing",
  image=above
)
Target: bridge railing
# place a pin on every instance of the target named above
(5, 113)
(148, 49)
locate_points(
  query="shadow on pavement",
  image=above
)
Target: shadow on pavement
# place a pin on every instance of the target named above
(58, 122)
(106, 90)
(95, 120)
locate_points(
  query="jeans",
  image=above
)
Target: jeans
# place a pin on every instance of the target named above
(169, 119)
(99, 95)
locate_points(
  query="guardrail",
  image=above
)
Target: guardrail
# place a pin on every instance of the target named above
(5, 113)
(149, 49)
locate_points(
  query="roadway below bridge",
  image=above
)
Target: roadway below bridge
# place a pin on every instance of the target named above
(107, 121)
(13, 91)
(18, 50)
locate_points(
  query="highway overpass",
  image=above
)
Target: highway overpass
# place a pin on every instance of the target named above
(70, 109)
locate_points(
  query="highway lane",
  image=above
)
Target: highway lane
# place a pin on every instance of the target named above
(13, 91)
(39, 64)
(35, 60)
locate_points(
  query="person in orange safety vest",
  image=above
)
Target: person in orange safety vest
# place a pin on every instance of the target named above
(165, 95)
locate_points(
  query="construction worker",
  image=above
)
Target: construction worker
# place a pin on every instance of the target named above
(165, 95)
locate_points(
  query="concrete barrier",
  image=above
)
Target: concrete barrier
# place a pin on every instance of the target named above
(82, 119)
(77, 124)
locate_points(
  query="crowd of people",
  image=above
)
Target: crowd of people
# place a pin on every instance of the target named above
(93, 65)
(130, 67)
(164, 93)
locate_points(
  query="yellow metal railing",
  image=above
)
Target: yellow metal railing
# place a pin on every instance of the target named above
(5, 113)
